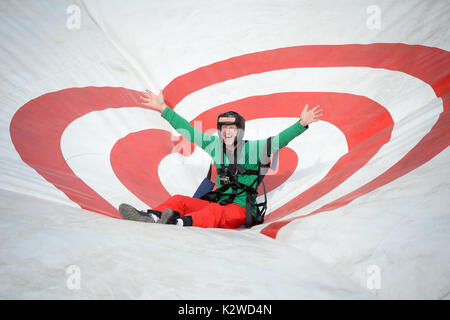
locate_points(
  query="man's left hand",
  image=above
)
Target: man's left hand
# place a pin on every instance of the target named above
(310, 116)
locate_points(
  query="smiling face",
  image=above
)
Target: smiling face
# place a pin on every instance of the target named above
(228, 133)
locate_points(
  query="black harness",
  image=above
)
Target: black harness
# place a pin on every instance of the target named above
(228, 175)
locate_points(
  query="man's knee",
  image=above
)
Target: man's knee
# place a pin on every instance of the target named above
(178, 197)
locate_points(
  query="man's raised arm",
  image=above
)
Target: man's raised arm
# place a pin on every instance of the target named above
(156, 102)
(287, 135)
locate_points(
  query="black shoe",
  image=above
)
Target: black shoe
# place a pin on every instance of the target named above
(130, 213)
(169, 216)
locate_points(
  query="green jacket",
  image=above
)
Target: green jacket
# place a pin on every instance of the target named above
(248, 158)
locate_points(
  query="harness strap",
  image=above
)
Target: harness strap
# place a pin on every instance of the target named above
(209, 172)
(241, 171)
(264, 166)
(251, 189)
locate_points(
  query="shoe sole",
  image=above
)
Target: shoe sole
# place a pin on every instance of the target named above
(166, 216)
(128, 212)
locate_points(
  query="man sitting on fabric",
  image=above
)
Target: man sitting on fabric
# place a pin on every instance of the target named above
(237, 162)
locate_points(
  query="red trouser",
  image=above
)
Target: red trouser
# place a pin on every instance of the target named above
(206, 214)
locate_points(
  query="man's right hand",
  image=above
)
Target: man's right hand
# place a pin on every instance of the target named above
(153, 101)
